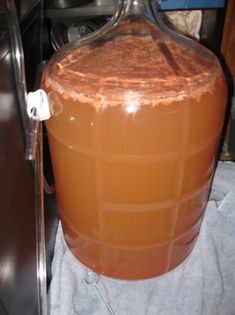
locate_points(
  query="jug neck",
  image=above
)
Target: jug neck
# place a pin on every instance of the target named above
(136, 6)
(146, 8)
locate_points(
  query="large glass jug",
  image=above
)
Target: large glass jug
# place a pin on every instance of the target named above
(137, 112)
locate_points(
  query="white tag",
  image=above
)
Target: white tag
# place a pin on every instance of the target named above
(38, 105)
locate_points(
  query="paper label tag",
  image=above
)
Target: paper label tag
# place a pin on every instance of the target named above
(38, 105)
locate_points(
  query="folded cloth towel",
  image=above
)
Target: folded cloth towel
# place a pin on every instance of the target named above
(186, 21)
(204, 284)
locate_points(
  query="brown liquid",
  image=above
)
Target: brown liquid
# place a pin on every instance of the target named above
(132, 181)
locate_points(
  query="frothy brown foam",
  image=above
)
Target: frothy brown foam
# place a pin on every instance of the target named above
(151, 71)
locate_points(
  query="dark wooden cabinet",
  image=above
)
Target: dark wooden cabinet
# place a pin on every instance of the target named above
(20, 289)
(18, 262)
(228, 42)
(228, 52)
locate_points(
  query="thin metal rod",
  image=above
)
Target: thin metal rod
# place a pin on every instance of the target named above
(93, 279)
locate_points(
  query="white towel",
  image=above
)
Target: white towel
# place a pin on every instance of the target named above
(204, 284)
(186, 21)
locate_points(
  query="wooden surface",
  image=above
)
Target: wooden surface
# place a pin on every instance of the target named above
(228, 41)
(228, 51)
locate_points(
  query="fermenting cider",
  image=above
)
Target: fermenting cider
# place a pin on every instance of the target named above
(133, 141)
